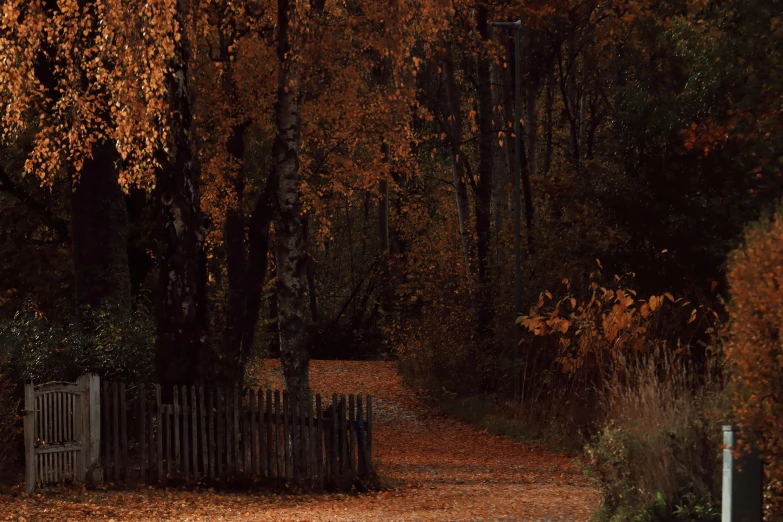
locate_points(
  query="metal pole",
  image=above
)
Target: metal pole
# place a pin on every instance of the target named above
(517, 26)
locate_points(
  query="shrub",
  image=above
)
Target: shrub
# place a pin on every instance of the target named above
(571, 341)
(10, 436)
(657, 453)
(755, 345)
(116, 347)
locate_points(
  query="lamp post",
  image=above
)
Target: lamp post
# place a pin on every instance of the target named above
(517, 26)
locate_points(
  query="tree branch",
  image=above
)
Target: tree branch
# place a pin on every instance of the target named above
(60, 226)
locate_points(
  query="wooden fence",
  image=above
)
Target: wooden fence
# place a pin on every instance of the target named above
(213, 433)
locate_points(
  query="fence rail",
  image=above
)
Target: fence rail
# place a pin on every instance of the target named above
(215, 432)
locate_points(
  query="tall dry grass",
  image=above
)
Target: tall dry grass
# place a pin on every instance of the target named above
(657, 452)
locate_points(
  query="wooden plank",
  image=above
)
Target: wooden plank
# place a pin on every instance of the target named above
(279, 436)
(236, 433)
(245, 422)
(185, 433)
(71, 398)
(116, 429)
(170, 440)
(315, 446)
(30, 407)
(176, 414)
(165, 438)
(296, 420)
(142, 434)
(254, 466)
(106, 428)
(291, 471)
(45, 414)
(360, 436)
(351, 436)
(343, 420)
(334, 442)
(194, 430)
(71, 420)
(319, 438)
(91, 420)
(150, 437)
(304, 410)
(301, 439)
(228, 424)
(270, 455)
(370, 466)
(311, 439)
(159, 436)
(262, 441)
(204, 441)
(220, 433)
(55, 423)
(125, 467)
(211, 434)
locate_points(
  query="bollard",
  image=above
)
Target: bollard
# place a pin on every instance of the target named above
(742, 482)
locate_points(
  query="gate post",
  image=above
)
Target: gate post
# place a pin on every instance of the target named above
(91, 426)
(29, 436)
(742, 481)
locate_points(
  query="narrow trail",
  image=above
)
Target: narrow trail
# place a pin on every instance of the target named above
(443, 470)
(446, 470)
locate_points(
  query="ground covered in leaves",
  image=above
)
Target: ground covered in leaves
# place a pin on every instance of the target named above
(436, 468)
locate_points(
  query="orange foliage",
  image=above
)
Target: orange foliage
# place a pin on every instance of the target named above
(755, 352)
(109, 61)
(591, 334)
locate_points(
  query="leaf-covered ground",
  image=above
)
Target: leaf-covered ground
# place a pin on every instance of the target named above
(440, 469)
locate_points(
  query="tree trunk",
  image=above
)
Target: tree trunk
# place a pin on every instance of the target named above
(508, 116)
(454, 118)
(234, 237)
(524, 174)
(99, 233)
(288, 227)
(500, 147)
(181, 355)
(258, 252)
(311, 291)
(531, 106)
(550, 96)
(483, 200)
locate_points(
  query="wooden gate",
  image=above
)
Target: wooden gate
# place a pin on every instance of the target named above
(62, 432)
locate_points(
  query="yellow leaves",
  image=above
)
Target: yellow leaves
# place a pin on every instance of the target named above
(655, 302)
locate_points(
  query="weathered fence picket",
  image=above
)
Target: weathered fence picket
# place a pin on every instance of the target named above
(142, 434)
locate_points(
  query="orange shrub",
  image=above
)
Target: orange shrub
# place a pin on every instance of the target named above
(755, 347)
(587, 335)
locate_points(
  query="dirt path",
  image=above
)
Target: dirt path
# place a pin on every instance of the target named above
(444, 471)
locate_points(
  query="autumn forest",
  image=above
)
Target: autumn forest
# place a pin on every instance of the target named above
(191, 190)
